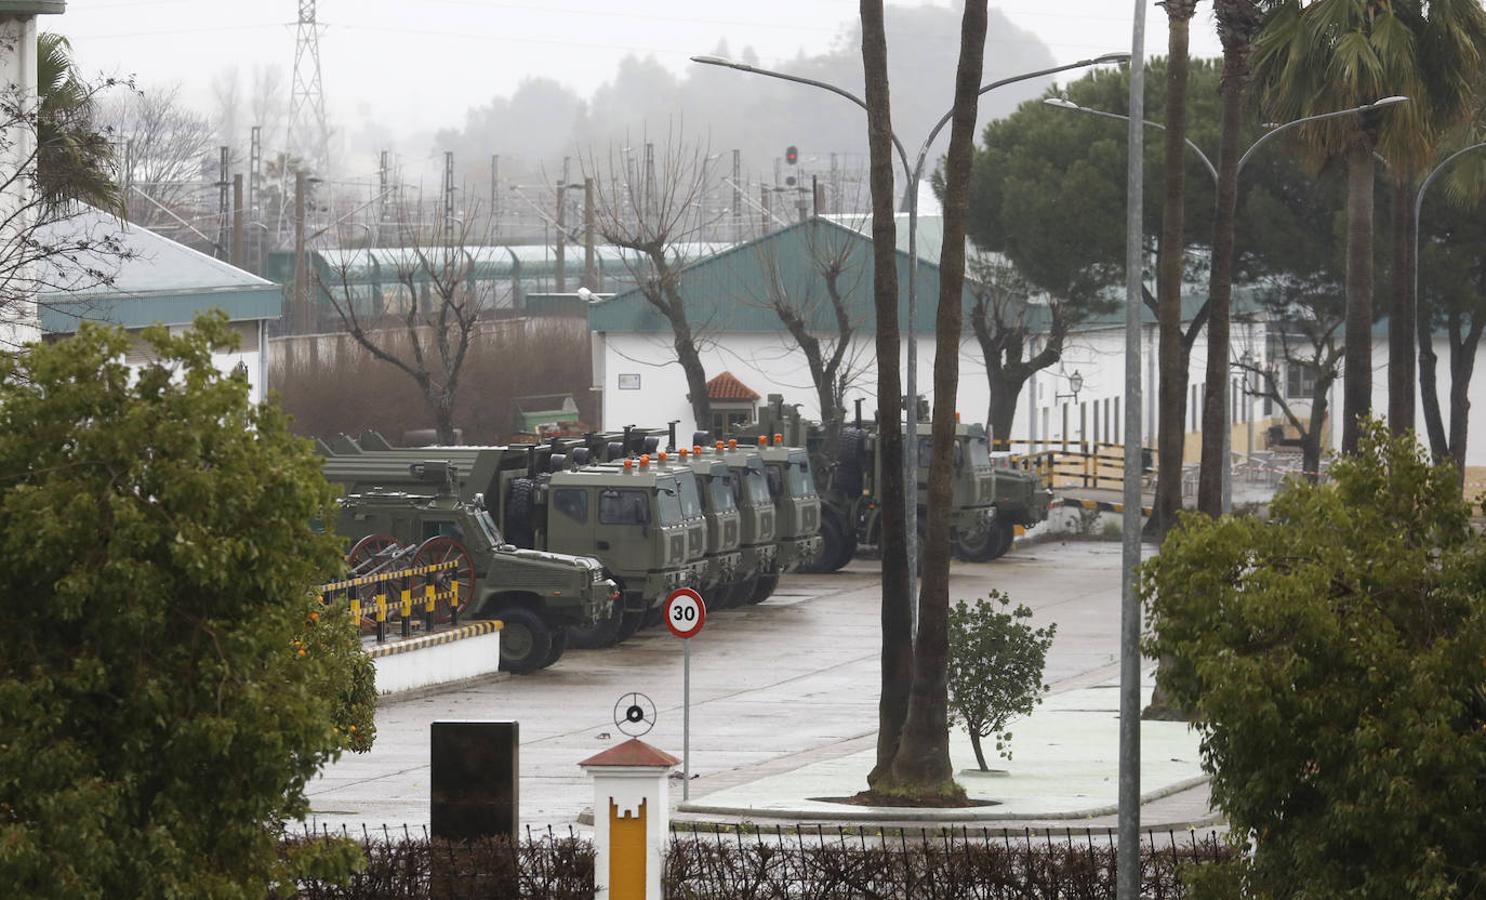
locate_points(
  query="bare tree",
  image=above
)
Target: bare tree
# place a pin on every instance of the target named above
(54, 252)
(650, 210)
(815, 305)
(227, 97)
(168, 148)
(1002, 319)
(423, 322)
(1304, 318)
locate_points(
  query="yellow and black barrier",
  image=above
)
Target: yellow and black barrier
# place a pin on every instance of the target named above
(400, 580)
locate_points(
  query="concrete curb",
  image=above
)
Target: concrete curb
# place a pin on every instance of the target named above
(474, 629)
(893, 814)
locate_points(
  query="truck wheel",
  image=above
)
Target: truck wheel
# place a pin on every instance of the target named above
(832, 538)
(983, 546)
(765, 588)
(599, 634)
(1007, 538)
(525, 640)
(849, 470)
(629, 623)
(521, 505)
(559, 646)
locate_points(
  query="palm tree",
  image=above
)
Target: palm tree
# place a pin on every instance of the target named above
(1325, 55)
(1173, 365)
(74, 161)
(1450, 35)
(1239, 25)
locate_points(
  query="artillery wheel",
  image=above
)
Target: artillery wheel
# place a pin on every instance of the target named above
(443, 549)
(525, 640)
(366, 549)
(764, 589)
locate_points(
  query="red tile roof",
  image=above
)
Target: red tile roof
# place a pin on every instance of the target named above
(633, 753)
(727, 387)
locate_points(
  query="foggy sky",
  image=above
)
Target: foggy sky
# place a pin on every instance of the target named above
(420, 64)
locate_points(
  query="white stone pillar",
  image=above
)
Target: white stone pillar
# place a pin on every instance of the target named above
(631, 819)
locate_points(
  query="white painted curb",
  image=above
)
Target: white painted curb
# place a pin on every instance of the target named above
(444, 662)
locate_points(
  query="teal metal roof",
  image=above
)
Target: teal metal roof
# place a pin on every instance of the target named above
(154, 281)
(730, 291)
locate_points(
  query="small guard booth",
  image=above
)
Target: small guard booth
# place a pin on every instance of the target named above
(631, 819)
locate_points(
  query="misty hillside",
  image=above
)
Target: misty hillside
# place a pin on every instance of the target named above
(544, 121)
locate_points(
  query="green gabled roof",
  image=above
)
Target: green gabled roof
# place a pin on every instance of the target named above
(729, 291)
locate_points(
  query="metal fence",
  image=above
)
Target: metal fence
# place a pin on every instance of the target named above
(423, 596)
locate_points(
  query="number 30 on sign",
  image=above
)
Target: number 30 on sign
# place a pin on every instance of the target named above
(685, 612)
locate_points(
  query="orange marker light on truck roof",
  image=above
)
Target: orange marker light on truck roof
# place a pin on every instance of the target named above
(763, 441)
(662, 455)
(732, 443)
(778, 439)
(629, 464)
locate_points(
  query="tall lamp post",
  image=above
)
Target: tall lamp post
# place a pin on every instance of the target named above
(1429, 179)
(1242, 160)
(914, 173)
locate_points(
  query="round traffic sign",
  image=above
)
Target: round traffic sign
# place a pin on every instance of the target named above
(685, 612)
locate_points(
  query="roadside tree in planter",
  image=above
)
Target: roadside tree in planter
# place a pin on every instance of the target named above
(170, 682)
(996, 660)
(1334, 659)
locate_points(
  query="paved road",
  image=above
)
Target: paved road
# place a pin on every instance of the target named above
(775, 686)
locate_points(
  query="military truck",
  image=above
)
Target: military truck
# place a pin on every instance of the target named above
(757, 574)
(537, 596)
(987, 502)
(630, 518)
(792, 485)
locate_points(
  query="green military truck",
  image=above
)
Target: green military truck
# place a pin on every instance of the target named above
(792, 485)
(631, 518)
(988, 502)
(757, 510)
(537, 596)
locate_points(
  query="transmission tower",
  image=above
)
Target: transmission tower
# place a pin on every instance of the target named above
(308, 134)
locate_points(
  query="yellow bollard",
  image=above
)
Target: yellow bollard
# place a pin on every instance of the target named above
(381, 607)
(356, 611)
(428, 597)
(407, 603)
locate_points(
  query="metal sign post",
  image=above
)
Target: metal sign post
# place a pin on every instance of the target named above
(685, 614)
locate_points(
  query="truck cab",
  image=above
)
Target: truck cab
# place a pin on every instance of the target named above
(758, 532)
(723, 528)
(796, 503)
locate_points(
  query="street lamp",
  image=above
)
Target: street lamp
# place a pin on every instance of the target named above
(1075, 384)
(914, 173)
(1274, 129)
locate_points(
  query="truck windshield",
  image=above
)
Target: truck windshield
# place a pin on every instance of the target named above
(980, 454)
(801, 484)
(670, 505)
(691, 498)
(758, 488)
(722, 494)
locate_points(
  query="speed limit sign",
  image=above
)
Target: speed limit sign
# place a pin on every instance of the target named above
(685, 612)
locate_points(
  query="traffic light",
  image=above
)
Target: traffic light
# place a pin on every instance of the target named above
(791, 154)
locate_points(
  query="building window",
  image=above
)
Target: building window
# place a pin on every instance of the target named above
(730, 421)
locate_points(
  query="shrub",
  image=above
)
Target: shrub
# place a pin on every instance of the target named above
(996, 661)
(169, 683)
(1334, 660)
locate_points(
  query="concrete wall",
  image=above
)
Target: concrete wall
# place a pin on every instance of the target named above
(443, 663)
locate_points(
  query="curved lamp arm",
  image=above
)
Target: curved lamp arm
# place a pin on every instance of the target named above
(1060, 103)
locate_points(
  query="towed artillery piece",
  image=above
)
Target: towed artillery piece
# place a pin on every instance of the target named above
(416, 519)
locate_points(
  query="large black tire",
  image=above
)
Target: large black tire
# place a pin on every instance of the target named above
(559, 646)
(1007, 532)
(525, 640)
(833, 541)
(521, 508)
(600, 634)
(630, 622)
(983, 547)
(850, 464)
(764, 589)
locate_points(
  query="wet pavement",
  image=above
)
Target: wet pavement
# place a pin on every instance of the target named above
(777, 689)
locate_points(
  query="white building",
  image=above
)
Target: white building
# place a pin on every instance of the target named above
(728, 300)
(145, 279)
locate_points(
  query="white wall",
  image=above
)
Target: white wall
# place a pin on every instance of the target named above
(769, 363)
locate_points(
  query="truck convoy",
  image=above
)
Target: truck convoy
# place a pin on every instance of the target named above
(539, 597)
(988, 502)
